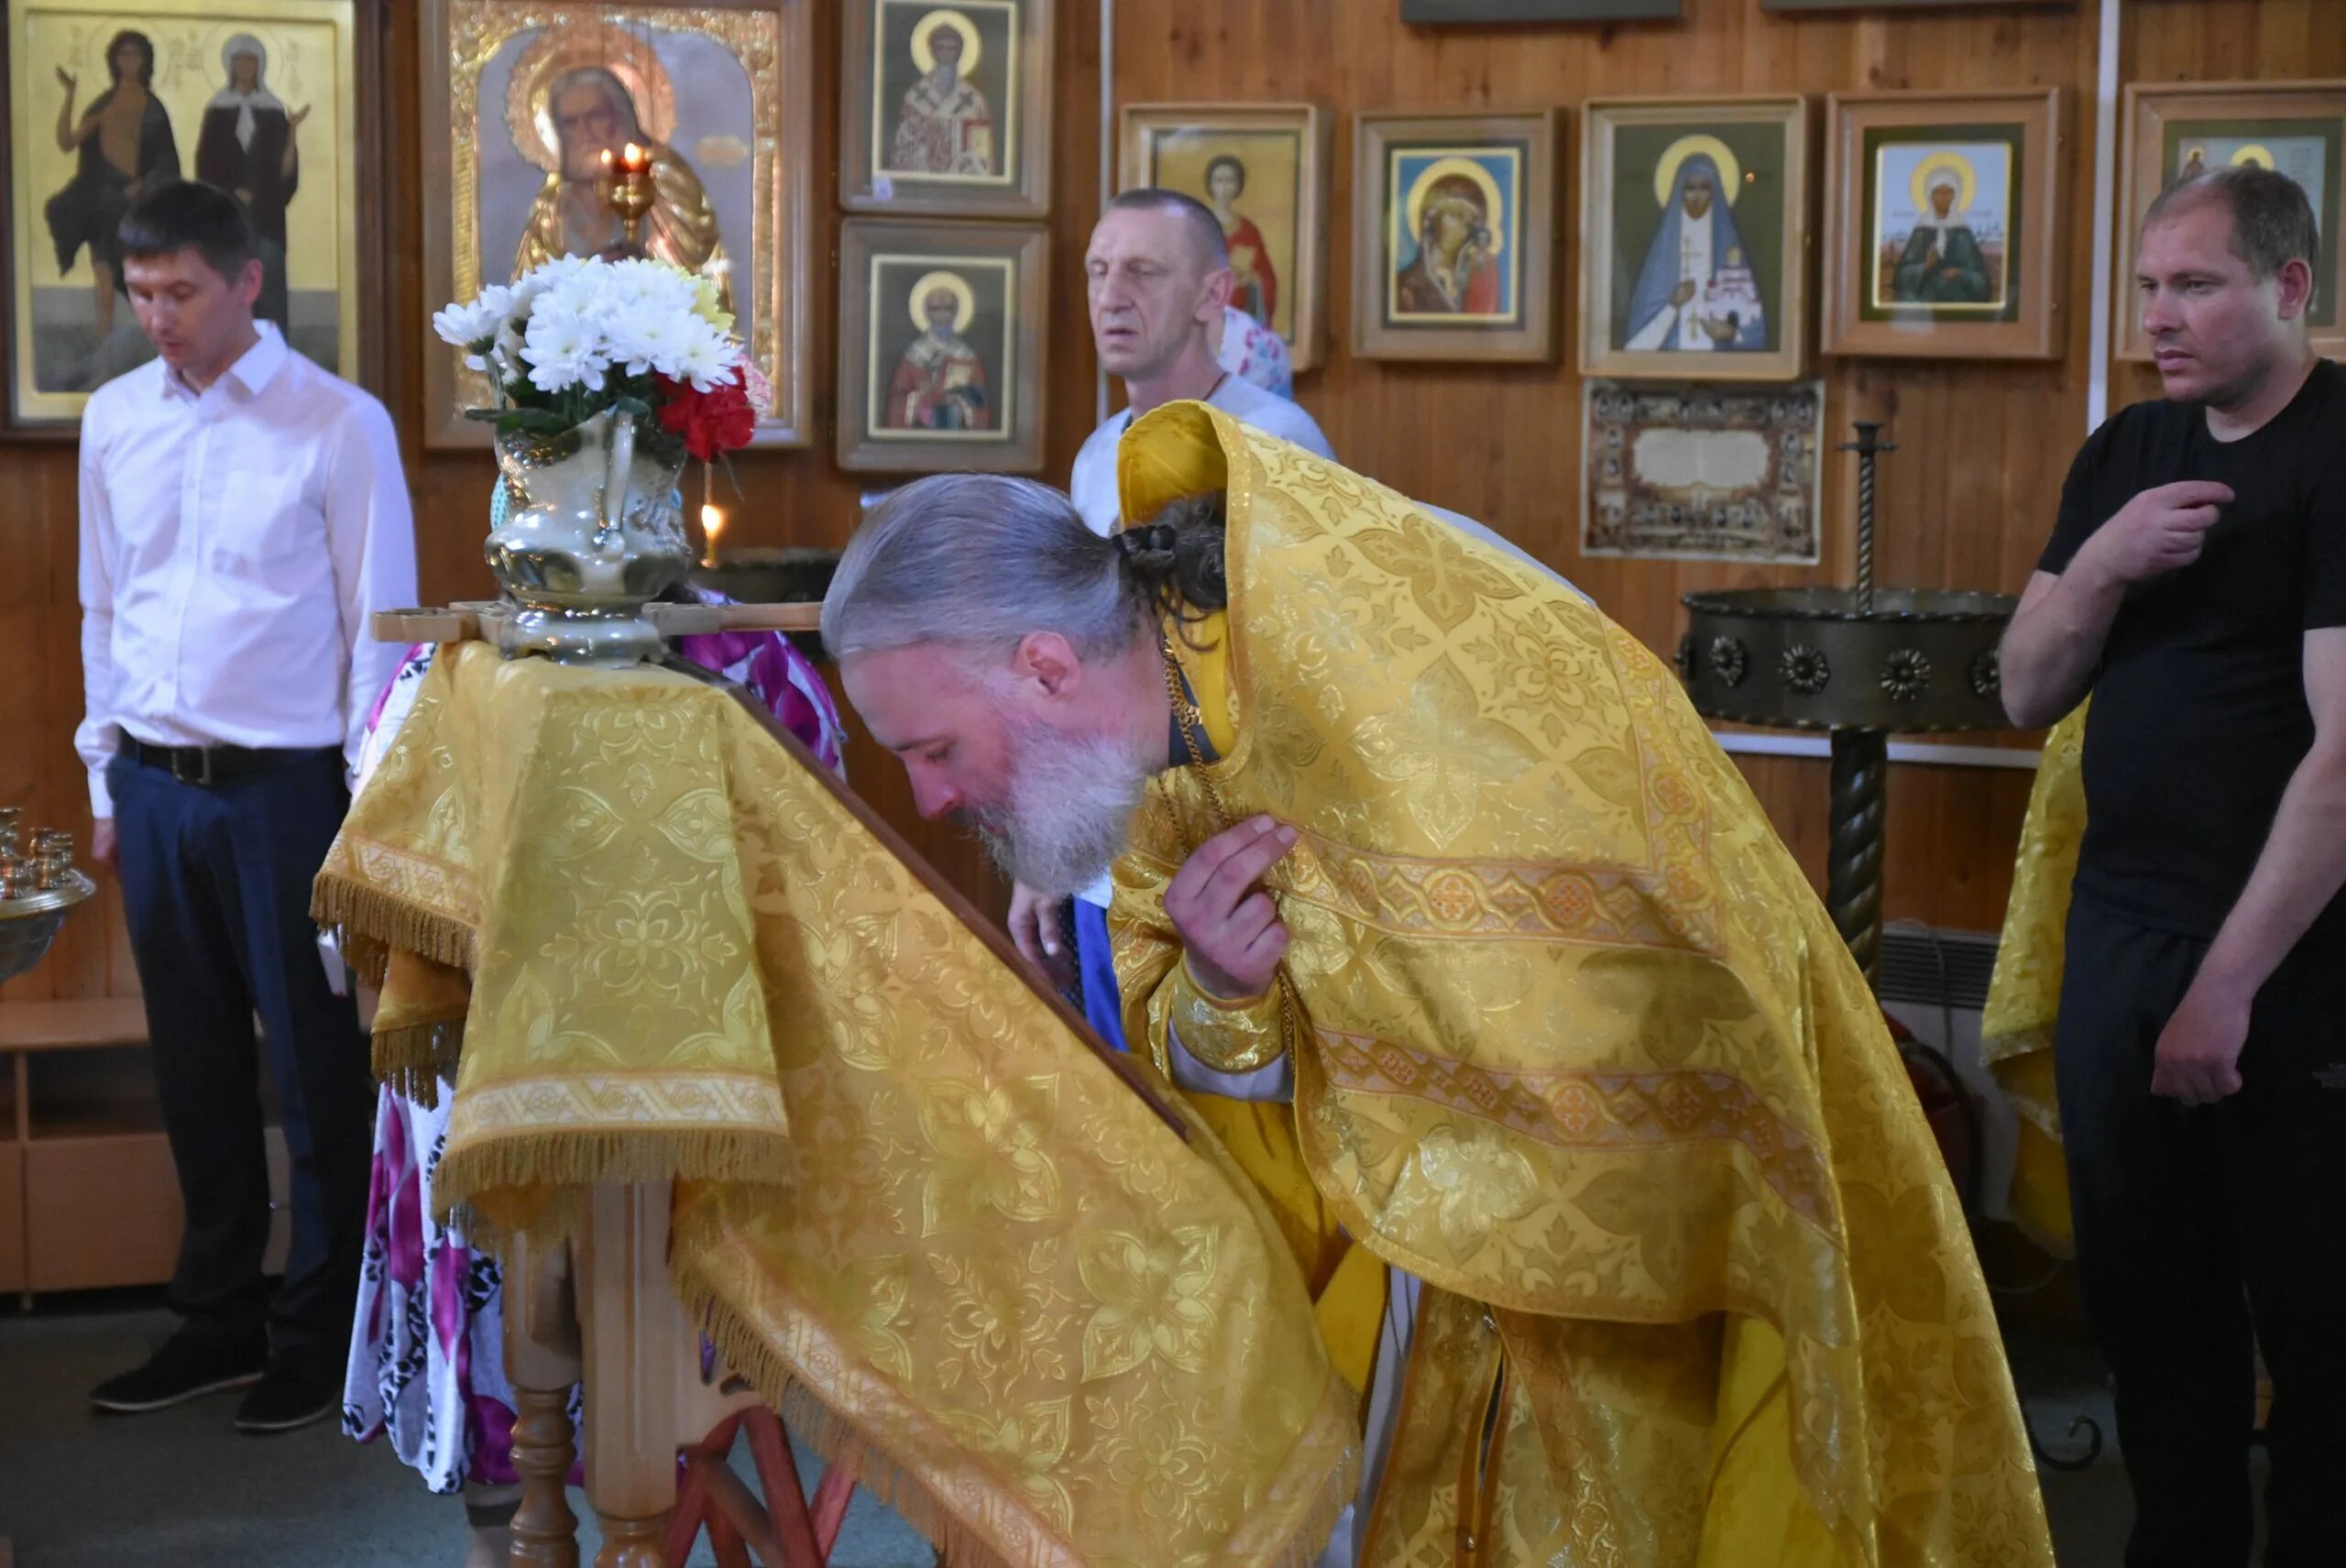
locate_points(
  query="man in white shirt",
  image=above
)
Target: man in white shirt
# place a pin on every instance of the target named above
(242, 512)
(1158, 279)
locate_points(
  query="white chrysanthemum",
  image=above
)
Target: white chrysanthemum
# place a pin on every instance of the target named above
(563, 350)
(470, 325)
(706, 357)
(649, 340)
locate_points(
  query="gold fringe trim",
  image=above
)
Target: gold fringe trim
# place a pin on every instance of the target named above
(844, 1445)
(553, 1157)
(411, 1059)
(369, 922)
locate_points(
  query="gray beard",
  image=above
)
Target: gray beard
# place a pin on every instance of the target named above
(1070, 812)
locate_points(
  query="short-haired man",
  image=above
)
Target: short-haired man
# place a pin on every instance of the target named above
(2195, 585)
(242, 511)
(1157, 280)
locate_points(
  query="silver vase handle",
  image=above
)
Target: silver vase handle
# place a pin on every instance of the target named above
(621, 454)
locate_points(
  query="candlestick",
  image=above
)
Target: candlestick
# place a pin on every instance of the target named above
(629, 189)
(712, 525)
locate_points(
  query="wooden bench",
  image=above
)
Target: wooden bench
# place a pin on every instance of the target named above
(88, 1195)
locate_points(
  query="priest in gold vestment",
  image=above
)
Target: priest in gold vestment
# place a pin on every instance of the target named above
(1404, 829)
(569, 216)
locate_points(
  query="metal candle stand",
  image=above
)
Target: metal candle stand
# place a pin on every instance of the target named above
(1861, 664)
(36, 891)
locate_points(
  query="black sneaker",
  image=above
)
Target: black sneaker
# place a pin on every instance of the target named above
(187, 1367)
(286, 1397)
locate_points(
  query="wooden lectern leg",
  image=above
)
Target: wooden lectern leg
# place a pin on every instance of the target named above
(546, 1532)
(630, 1327)
(631, 1543)
(542, 1363)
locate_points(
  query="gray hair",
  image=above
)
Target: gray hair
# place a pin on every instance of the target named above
(615, 93)
(982, 559)
(2272, 223)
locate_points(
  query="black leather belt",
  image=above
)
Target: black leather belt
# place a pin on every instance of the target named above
(217, 765)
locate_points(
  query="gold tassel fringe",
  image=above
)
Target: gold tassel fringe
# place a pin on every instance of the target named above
(559, 1158)
(369, 922)
(842, 1443)
(411, 1060)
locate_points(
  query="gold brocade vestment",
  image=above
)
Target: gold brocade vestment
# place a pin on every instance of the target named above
(911, 1206)
(2024, 996)
(1575, 1044)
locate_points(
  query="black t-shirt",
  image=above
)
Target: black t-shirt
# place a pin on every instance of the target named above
(2199, 714)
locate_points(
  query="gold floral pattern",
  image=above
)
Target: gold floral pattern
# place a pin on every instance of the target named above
(977, 1269)
(1579, 1045)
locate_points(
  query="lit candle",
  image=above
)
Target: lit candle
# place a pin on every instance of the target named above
(635, 160)
(712, 525)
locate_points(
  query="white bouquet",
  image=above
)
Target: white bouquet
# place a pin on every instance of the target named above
(579, 336)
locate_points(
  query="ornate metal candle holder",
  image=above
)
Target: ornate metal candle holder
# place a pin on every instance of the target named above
(629, 192)
(1862, 664)
(39, 884)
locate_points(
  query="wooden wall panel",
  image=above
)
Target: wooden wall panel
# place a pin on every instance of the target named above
(1968, 499)
(1965, 502)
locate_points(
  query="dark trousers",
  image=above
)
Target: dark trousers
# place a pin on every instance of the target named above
(216, 883)
(2204, 1233)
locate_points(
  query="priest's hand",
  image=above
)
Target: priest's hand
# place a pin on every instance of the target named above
(1035, 929)
(2199, 1052)
(1229, 927)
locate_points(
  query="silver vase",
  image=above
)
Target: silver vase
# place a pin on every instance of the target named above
(591, 535)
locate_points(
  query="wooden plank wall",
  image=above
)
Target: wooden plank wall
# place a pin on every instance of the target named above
(1964, 503)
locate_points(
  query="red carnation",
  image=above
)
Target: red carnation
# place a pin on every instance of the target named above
(717, 420)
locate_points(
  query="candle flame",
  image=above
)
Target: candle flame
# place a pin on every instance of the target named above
(712, 525)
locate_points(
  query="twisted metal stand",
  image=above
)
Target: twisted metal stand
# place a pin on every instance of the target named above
(1853, 873)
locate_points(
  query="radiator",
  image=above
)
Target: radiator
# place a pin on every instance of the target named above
(1936, 982)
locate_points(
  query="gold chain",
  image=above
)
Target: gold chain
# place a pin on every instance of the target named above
(1191, 720)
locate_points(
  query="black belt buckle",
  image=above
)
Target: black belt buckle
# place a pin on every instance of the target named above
(201, 776)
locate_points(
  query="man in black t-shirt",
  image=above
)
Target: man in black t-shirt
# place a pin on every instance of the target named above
(2195, 586)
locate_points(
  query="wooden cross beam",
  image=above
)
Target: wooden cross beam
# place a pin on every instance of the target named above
(469, 620)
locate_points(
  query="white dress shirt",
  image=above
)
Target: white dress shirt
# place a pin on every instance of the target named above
(234, 542)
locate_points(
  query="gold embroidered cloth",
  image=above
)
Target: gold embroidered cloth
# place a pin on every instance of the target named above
(1575, 1041)
(2024, 993)
(915, 1206)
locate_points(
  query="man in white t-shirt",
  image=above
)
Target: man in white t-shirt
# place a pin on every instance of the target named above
(1158, 278)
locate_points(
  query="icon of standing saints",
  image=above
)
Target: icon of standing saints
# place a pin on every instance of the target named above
(939, 383)
(945, 126)
(575, 102)
(1695, 291)
(1943, 263)
(124, 148)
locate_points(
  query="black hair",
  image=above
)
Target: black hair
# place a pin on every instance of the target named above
(146, 47)
(188, 215)
(1175, 561)
(1224, 161)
